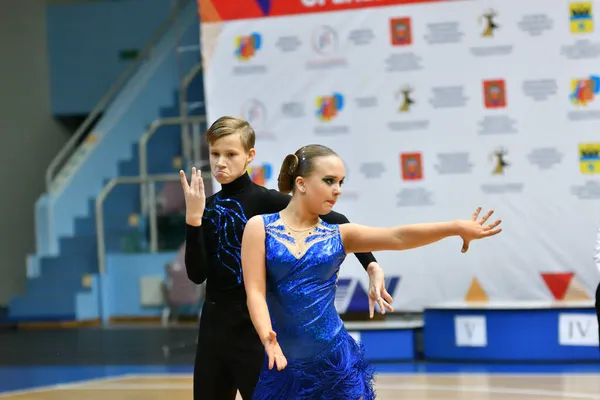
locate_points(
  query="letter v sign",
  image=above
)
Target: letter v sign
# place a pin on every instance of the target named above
(470, 331)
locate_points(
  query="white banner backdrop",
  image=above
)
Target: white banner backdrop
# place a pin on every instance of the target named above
(436, 108)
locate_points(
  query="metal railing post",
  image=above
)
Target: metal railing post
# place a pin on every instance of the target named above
(143, 155)
(153, 219)
(196, 144)
(183, 111)
(143, 151)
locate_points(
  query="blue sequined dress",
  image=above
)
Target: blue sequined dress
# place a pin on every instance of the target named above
(324, 361)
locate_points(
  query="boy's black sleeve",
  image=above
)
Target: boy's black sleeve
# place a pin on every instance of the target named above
(195, 254)
(273, 201)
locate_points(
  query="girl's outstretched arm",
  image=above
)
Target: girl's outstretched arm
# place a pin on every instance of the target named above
(359, 238)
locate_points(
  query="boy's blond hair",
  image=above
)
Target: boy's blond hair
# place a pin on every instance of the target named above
(226, 125)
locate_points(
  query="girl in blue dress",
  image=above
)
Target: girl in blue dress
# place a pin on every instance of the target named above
(291, 262)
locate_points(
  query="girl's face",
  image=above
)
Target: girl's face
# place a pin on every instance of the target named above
(322, 188)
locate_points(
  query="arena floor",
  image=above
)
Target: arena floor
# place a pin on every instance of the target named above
(389, 386)
(133, 364)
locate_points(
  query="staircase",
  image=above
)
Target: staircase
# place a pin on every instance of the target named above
(62, 277)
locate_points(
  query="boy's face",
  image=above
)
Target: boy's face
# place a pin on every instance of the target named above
(228, 158)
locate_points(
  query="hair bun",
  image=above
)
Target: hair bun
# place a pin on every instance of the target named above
(287, 174)
(293, 163)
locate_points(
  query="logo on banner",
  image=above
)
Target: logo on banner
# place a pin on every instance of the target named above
(412, 166)
(325, 43)
(260, 174)
(400, 31)
(489, 25)
(352, 294)
(589, 158)
(255, 112)
(328, 107)
(494, 93)
(247, 46)
(325, 40)
(581, 17)
(406, 101)
(584, 91)
(498, 159)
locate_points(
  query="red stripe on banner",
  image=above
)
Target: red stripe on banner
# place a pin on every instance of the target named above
(247, 9)
(234, 9)
(207, 11)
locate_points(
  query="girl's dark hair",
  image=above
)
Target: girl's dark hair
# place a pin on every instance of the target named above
(301, 163)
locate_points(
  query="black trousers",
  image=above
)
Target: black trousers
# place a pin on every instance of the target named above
(229, 356)
(598, 307)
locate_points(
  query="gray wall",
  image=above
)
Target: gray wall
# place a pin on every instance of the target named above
(86, 39)
(29, 137)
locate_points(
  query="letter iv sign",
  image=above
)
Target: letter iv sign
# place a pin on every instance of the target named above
(577, 330)
(470, 331)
